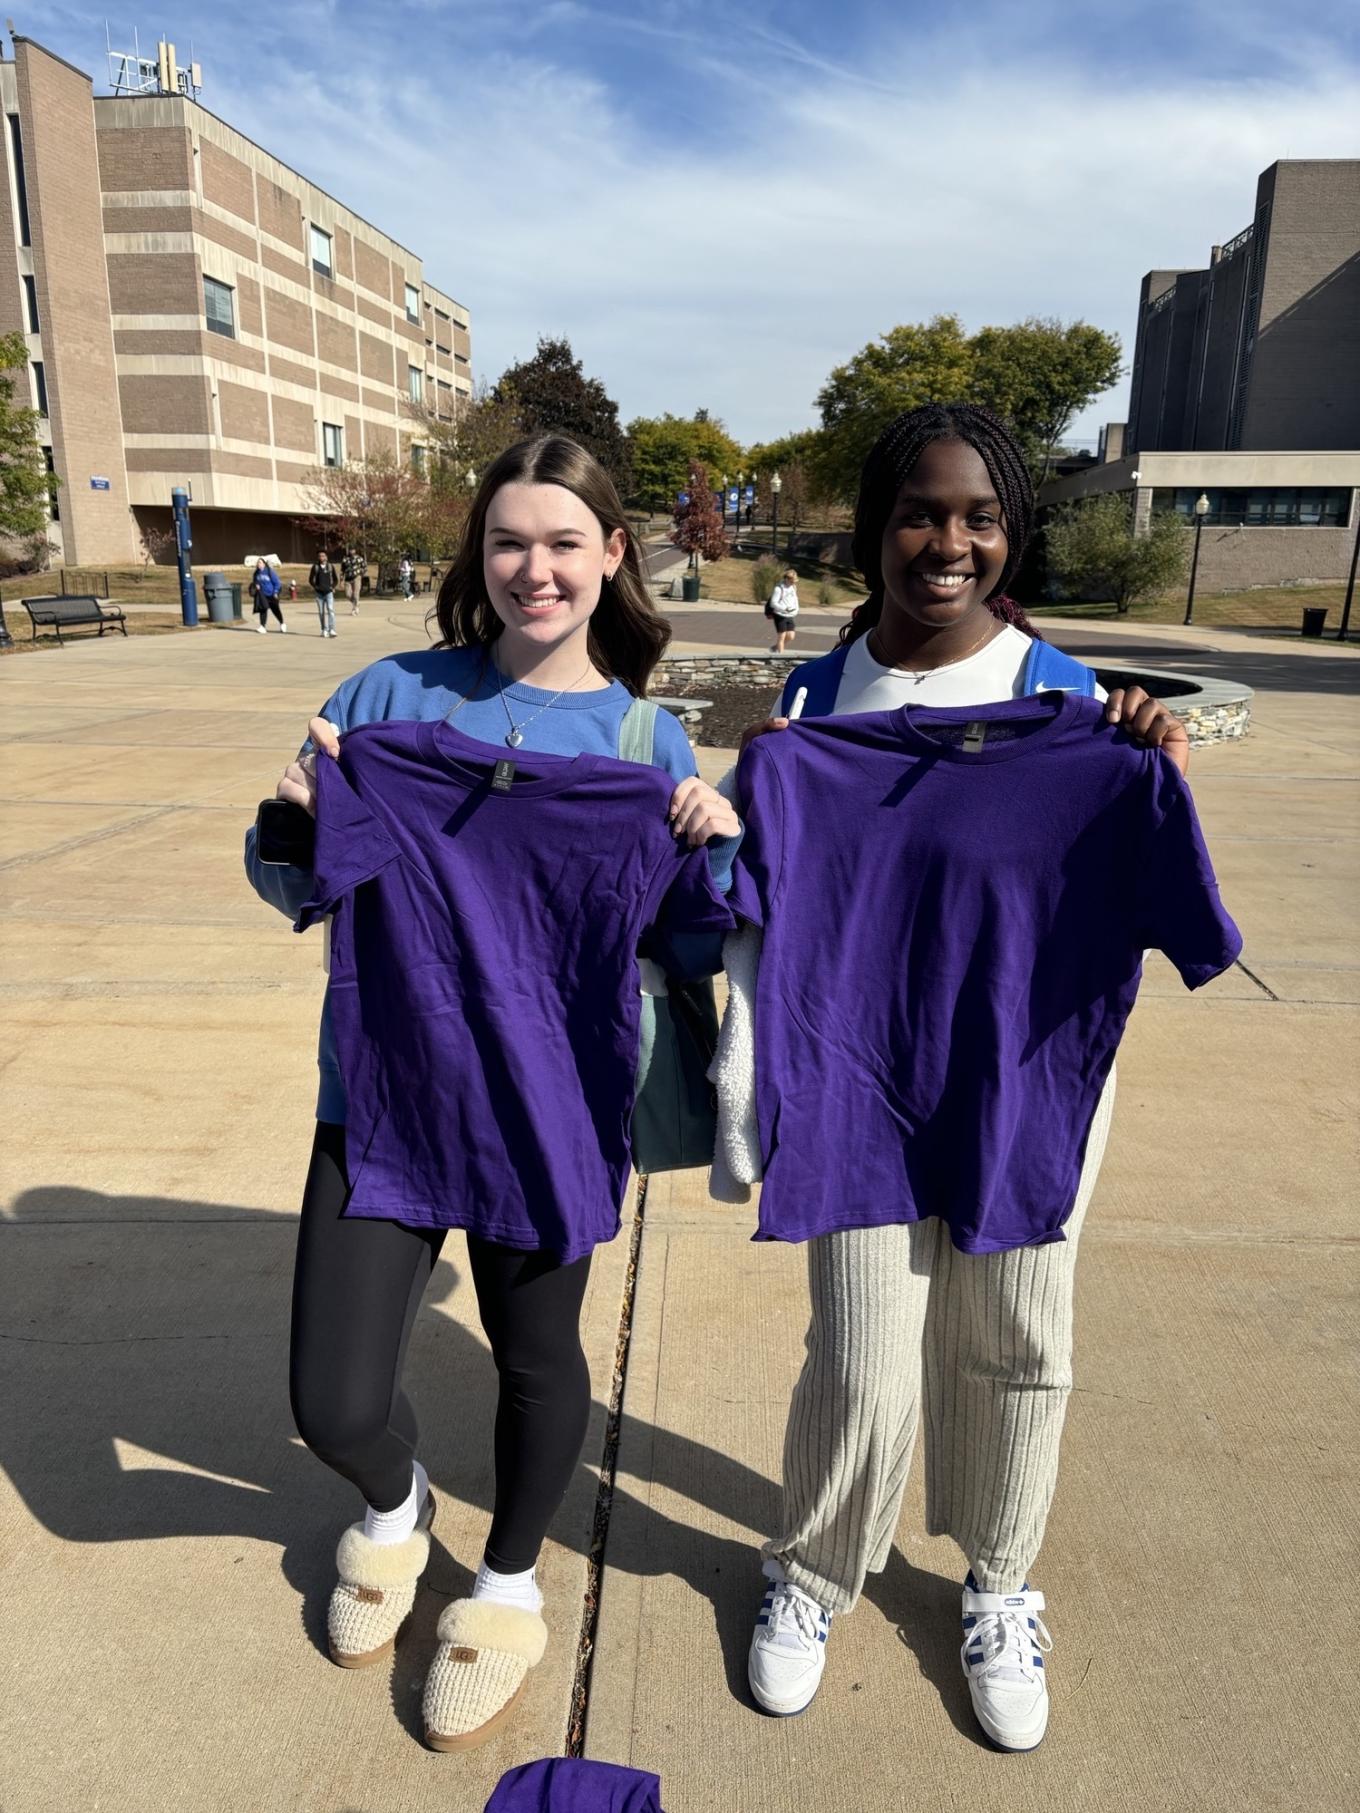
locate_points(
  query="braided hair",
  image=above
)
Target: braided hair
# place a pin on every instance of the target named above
(892, 458)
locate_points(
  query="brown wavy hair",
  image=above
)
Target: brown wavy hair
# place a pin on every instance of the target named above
(628, 635)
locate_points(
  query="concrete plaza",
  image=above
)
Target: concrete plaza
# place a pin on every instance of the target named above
(166, 1544)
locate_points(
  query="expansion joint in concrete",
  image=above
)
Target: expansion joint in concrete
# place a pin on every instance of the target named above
(604, 1498)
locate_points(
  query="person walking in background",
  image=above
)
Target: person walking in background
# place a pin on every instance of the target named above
(352, 569)
(783, 610)
(265, 588)
(322, 581)
(405, 575)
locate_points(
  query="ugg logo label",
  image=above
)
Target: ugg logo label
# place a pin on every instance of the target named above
(463, 1655)
(368, 1595)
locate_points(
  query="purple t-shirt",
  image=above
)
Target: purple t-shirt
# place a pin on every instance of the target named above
(561, 1784)
(956, 903)
(484, 984)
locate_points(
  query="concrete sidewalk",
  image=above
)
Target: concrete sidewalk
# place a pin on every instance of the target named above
(167, 1544)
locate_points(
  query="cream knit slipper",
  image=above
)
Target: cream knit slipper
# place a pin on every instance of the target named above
(376, 1591)
(479, 1670)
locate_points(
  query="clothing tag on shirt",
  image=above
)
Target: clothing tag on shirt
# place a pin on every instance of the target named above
(974, 736)
(503, 777)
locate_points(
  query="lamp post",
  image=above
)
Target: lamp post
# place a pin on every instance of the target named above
(1201, 511)
(1344, 631)
(776, 486)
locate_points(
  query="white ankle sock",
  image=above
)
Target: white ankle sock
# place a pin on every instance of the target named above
(508, 1589)
(396, 1526)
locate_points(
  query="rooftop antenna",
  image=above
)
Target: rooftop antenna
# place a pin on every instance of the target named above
(130, 73)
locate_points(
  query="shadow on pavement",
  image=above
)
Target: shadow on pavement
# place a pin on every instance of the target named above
(147, 1335)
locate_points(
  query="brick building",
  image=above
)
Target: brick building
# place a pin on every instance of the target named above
(1246, 388)
(198, 314)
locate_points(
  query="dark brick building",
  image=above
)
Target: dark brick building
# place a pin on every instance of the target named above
(1260, 350)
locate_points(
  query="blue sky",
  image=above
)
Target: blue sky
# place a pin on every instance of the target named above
(717, 205)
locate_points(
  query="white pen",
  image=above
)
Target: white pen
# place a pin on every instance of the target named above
(799, 701)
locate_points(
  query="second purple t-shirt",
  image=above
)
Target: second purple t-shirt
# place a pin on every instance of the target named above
(484, 985)
(956, 904)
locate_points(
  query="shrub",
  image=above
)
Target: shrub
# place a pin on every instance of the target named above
(765, 576)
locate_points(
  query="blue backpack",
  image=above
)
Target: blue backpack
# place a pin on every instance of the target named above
(1047, 669)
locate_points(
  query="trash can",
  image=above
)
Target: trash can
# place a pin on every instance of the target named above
(690, 588)
(236, 600)
(217, 592)
(1314, 618)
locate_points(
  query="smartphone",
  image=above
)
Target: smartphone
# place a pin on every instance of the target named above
(285, 834)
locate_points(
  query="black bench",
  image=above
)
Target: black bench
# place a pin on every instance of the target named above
(65, 613)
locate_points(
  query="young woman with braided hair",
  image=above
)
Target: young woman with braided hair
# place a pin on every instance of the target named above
(898, 1314)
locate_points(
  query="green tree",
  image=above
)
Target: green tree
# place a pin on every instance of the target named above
(1094, 553)
(699, 526)
(1039, 374)
(482, 428)
(26, 486)
(900, 370)
(663, 448)
(550, 394)
(800, 447)
(378, 505)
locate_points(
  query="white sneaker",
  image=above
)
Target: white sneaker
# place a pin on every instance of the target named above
(283, 629)
(1003, 1657)
(259, 629)
(788, 1647)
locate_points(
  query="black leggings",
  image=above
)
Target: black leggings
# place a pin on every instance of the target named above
(356, 1289)
(263, 606)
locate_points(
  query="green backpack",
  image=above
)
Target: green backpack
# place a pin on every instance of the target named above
(675, 1110)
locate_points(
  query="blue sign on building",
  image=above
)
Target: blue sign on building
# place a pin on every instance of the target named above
(99, 484)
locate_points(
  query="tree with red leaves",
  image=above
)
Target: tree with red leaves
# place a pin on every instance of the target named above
(699, 528)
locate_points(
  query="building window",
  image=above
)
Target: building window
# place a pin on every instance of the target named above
(40, 384)
(16, 145)
(31, 303)
(53, 512)
(415, 383)
(332, 444)
(412, 302)
(1279, 506)
(322, 261)
(219, 306)
(417, 458)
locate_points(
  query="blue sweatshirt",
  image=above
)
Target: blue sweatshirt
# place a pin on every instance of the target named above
(428, 684)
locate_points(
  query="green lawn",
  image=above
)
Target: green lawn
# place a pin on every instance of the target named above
(1263, 607)
(730, 581)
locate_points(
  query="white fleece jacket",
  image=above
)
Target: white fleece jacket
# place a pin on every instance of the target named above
(736, 1158)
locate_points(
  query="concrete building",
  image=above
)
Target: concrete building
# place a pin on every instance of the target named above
(1246, 389)
(198, 314)
(1261, 349)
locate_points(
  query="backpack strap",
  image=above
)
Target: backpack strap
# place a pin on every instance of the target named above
(1048, 669)
(637, 733)
(822, 678)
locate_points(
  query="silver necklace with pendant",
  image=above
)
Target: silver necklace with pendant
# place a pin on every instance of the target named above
(918, 674)
(515, 735)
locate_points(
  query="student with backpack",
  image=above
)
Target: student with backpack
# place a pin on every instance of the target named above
(548, 640)
(266, 588)
(322, 581)
(903, 1316)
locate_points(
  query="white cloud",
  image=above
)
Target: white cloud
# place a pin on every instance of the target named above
(731, 242)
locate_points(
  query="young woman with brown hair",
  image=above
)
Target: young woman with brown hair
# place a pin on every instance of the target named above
(547, 638)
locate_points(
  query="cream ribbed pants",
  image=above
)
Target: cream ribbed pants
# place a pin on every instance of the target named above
(992, 1334)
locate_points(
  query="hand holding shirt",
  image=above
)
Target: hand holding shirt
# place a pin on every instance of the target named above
(955, 905)
(484, 985)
